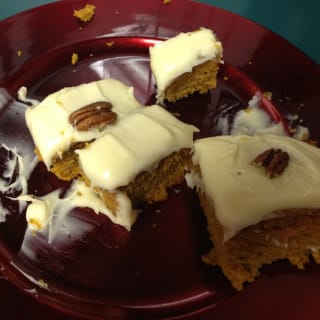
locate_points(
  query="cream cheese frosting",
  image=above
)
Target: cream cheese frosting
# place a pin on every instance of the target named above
(138, 139)
(178, 55)
(242, 194)
(251, 120)
(49, 213)
(254, 120)
(14, 177)
(48, 121)
(137, 143)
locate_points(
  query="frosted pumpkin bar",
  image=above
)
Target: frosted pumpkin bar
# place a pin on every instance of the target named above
(98, 132)
(185, 64)
(261, 198)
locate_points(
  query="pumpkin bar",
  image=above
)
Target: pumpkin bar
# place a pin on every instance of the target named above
(185, 64)
(261, 198)
(98, 132)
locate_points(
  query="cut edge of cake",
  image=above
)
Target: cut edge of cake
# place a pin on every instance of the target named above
(185, 64)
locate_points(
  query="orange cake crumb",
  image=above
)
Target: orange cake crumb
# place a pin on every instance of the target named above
(74, 58)
(86, 13)
(109, 43)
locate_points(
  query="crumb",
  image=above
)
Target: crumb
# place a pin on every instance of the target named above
(225, 78)
(43, 284)
(36, 224)
(110, 43)
(19, 53)
(86, 13)
(166, 1)
(154, 225)
(249, 62)
(176, 114)
(74, 58)
(267, 95)
(248, 110)
(116, 12)
(292, 130)
(91, 55)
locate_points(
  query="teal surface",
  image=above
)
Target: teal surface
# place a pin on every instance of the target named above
(295, 20)
(298, 21)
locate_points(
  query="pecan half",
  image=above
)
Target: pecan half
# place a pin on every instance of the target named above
(94, 115)
(274, 161)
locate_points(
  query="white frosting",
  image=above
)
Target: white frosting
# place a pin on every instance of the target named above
(37, 214)
(254, 120)
(178, 55)
(242, 194)
(137, 143)
(301, 133)
(23, 96)
(50, 213)
(251, 120)
(14, 178)
(48, 121)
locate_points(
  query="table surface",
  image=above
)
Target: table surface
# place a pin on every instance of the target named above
(295, 20)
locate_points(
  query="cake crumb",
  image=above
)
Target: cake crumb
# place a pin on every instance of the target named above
(35, 224)
(86, 13)
(166, 1)
(249, 62)
(74, 58)
(43, 284)
(267, 95)
(19, 53)
(225, 78)
(109, 43)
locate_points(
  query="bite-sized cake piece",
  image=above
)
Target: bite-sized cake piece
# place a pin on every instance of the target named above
(261, 197)
(98, 133)
(185, 64)
(86, 13)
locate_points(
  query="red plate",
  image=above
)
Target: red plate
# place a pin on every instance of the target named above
(155, 270)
